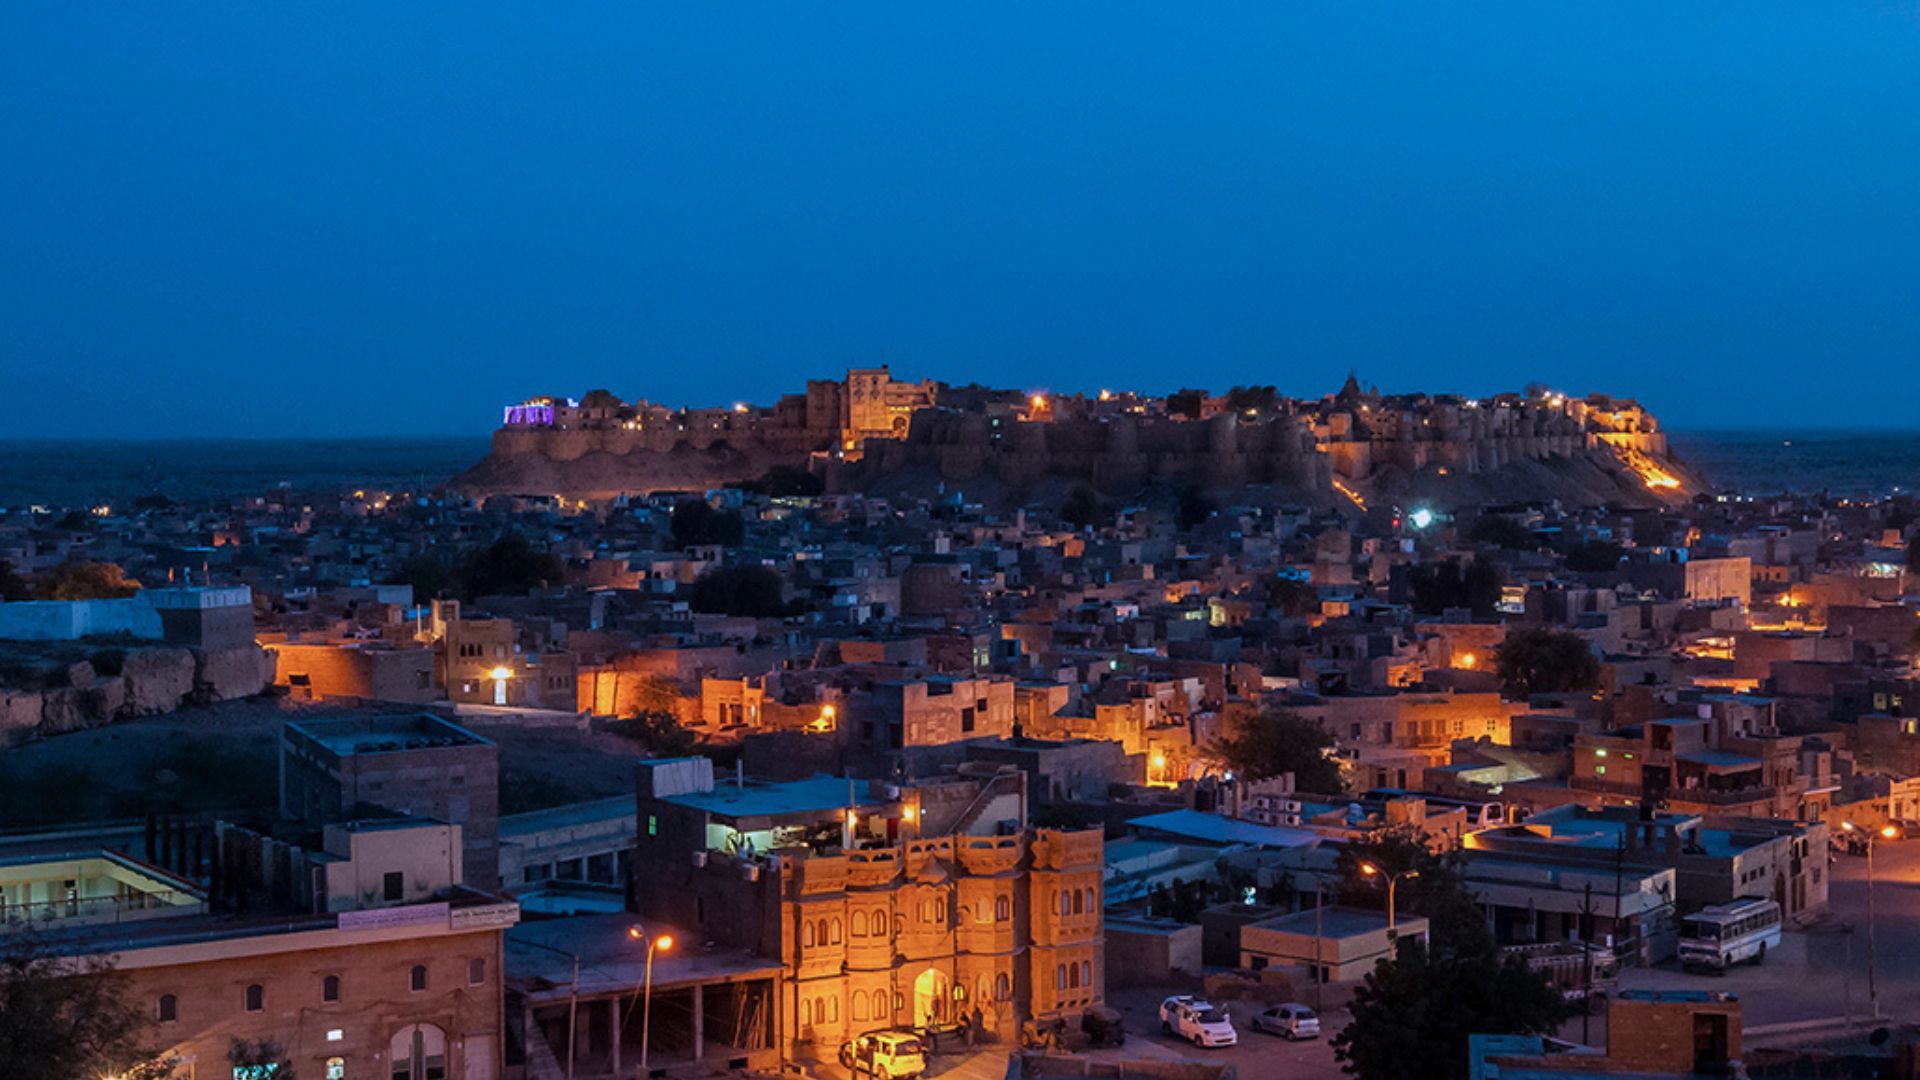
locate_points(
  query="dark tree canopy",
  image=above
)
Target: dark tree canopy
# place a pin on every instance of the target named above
(1291, 597)
(1502, 531)
(78, 579)
(1192, 506)
(1258, 398)
(66, 1018)
(1438, 586)
(1541, 661)
(1085, 509)
(1913, 553)
(1188, 402)
(1259, 745)
(601, 399)
(741, 590)
(508, 566)
(12, 585)
(696, 522)
(1595, 557)
(429, 577)
(784, 481)
(1413, 1014)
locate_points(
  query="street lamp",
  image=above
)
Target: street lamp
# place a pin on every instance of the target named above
(1393, 882)
(663, 943)
(1885, 832)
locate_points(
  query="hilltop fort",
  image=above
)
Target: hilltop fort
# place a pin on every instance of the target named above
(873, 433)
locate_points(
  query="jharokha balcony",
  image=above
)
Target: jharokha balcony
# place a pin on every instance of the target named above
(989, 854)
(1056, 849)
(873, 868)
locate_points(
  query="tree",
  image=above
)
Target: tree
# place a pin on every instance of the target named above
(1413, 1014)
(1259, 745)
(1541, 661)
(696, 522)
(63, 1016)
(741, 590)
(1084, 509)
(508, 566)
(1193, 507)
(78, 579)
(783, 481)
(1595, 557)
(1913, 553)
(1503, 532)
(1188, 402)
(601, 400)
(1438, 586)
(1431, 884)
(657, 730)
(1293, 597)
(12, 585)
(1257, 398)
(429, 577)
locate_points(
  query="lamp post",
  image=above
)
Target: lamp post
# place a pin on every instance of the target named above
(1393, 882)
(1886, 832)
(659, 942)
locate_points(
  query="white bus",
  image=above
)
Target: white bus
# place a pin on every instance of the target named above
(1723, 935)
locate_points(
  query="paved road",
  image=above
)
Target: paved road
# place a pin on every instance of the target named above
(1822, 971)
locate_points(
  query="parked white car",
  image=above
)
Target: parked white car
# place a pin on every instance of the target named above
(1290, 1021)
(1197, 1021)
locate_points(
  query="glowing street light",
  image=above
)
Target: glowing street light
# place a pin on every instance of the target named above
(1885, 832)
(1393, 882)
(660, 943)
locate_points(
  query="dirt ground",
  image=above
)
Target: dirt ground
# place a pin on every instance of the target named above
(223, 758)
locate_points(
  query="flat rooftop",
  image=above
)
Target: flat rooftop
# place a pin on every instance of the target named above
(386, 734)
(1334, 922)
(540, 956)
(761, 798)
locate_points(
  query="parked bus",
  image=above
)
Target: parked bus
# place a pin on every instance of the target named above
(1723, 935)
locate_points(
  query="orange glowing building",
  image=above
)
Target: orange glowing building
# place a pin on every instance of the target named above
(924, 905)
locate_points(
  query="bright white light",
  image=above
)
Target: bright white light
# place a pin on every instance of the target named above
(1421, 518)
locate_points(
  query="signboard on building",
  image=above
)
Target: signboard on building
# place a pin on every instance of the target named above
(388, 918)
(484, 917)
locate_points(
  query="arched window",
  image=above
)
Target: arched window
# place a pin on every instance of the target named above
(806, 935)
(1066, 904)
(859, 1006)
(1002, 909)
(256, 997)
(330, 988)
(1079, 902)
(1086, 973)
(169, 1008)
(1060, 977)
(417, 978)
(806, 1011)
(880, 1010)
(940, 910)
(1073, 976)
(1093, 900)
(836, 931)
(833, 1010)
(1002, 987)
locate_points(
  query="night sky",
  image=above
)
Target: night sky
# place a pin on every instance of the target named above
(340, 219)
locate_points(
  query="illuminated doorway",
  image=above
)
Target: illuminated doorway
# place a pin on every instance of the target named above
(930, 993)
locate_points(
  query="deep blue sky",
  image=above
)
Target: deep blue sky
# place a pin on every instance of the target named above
(276, 218)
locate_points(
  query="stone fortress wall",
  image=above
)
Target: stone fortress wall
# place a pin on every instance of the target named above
(1314, 447)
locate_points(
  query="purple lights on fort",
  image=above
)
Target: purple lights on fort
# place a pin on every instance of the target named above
(528, 416)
